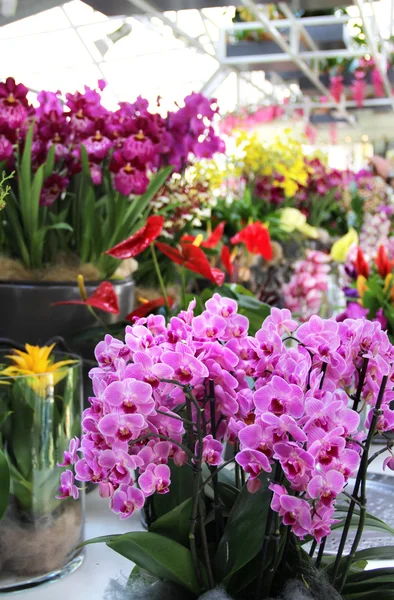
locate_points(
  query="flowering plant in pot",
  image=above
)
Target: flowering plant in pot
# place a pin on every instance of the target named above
(40, 407)
(84, 178)
(287, 402)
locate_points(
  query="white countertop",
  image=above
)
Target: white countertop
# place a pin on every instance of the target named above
(101, 563)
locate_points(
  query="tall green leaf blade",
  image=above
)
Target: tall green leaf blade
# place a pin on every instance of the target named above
(175, 524)
(50, 161)
(244, 532)
(24, 183)
(18, 233)
(4, 484)
(138, 205)
(38, 181)
(160, 556)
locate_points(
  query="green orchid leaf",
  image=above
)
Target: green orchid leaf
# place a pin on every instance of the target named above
(4, 484)
(175, 524)
(161, 556)
(244, 532)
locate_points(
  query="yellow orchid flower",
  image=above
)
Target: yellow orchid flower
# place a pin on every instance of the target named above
(341, 247)
(292, 219)
(37, 366)
(362, 287)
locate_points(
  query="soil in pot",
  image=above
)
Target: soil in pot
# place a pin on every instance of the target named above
(35, 547)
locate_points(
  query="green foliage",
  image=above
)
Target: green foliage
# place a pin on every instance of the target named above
(4, 483)
(160, 556)
(36, 425)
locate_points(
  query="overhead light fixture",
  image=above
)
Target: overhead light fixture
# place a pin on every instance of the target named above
(364, 138)
(8, 7)
(348, 139)
(104, 44)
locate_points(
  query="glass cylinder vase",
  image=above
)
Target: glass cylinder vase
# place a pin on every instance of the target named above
(39, 414)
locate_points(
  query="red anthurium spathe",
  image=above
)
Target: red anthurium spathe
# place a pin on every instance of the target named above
(256, 238)
(147, 307)
(384, 265)
(361, 264)
(103, 298)
(140, 241)
(212, 240)
(226, 260)
(193, 258)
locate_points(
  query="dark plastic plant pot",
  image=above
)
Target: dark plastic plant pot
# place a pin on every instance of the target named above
(27, 314)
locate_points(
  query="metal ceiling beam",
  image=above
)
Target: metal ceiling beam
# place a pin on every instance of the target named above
(374, 50)
(301, 64)
(285, 56)
(144, 6)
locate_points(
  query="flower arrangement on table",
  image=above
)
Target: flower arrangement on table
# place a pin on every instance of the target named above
(85, 176)
(368, 286)
(287, 402)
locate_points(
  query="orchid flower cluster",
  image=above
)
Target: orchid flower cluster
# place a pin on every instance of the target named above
(131, 139)
(307, 288)
(177, 393)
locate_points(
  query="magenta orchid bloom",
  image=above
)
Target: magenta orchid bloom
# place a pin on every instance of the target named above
(70, 456)
(67, 486)
(126, 499)
(155, 479)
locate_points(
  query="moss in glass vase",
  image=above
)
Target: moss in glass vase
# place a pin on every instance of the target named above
(40, 406)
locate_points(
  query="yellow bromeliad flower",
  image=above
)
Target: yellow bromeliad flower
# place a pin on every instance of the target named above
(361, 285)
(38, 366)
(292, 219)
(341, 247)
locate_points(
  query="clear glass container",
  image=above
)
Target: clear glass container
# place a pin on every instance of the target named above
(39, 534)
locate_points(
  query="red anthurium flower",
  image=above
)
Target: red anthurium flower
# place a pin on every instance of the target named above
(384, 265)
(361, 264)
(193, 258)
(226, 260)
(103, 298)
(212, 241)
(147, 307)
(140, 241)
(256, 238)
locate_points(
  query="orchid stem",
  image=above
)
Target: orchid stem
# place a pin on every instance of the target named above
(98, 319)
(160, 278)
(360, 482)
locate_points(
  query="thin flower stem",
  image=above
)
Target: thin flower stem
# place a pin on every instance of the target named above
(222, 466)
(98, 319)
(361, 476)
(237, 468)
(217, 506)
(363, 373)
(313, 548)
(321, 552)
(266, 541)
(176, 417)
(379, 452)
(204, 543)
(160, 278)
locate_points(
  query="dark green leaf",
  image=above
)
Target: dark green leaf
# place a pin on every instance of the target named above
(228, 494)
(181, 490)
(4, 484)
(159, 555)
(175, 524)
(244, 532)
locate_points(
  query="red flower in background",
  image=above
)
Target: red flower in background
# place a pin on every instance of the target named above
(384, 265)
(147, 307)
(103, 298)
(256, 238)
(226, 260)
(140, 241)
(193, 258)
(212, 240)
(361, 264)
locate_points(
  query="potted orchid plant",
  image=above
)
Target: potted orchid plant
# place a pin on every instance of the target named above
(254, 520)
(84, 180)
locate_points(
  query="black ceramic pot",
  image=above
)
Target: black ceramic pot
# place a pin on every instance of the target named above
(27, 314)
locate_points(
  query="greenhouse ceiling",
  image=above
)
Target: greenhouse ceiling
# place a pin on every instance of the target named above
(152, 51)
